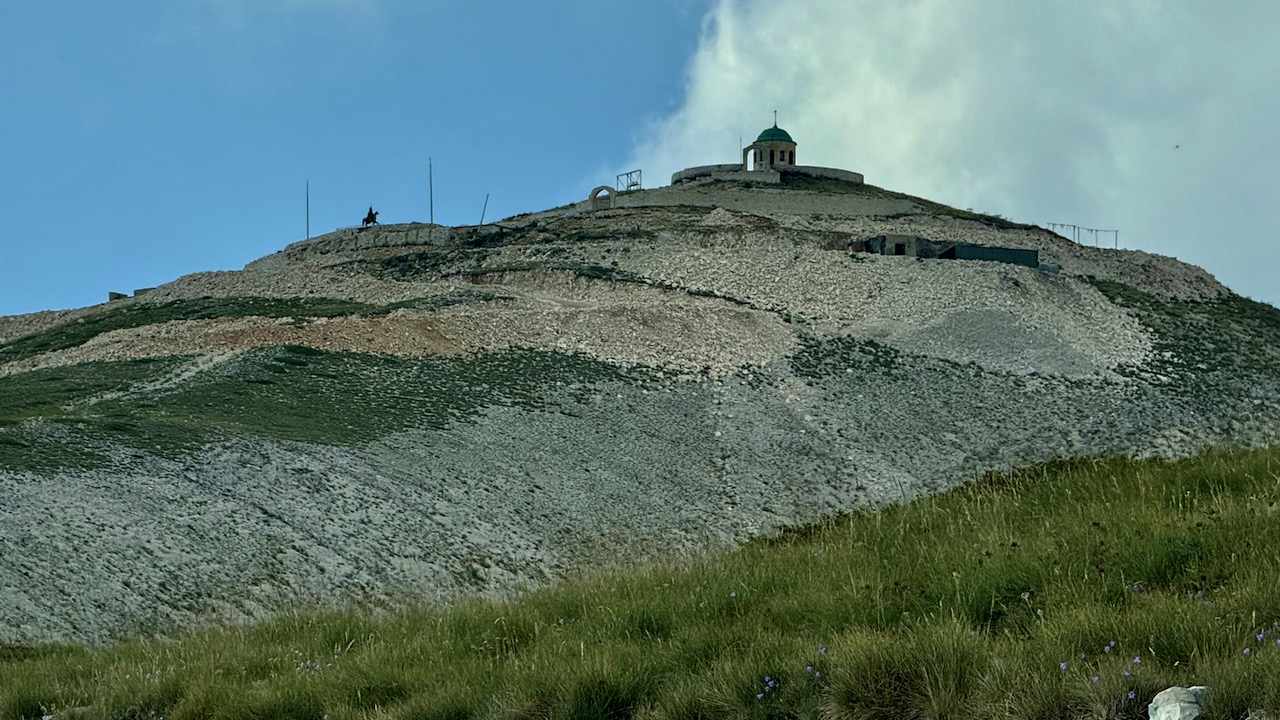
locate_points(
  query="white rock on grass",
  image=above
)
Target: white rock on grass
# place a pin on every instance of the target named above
(1177, 703)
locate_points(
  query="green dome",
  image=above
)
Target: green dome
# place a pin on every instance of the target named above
(775, 134)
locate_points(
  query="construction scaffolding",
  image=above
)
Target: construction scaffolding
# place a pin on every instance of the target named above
(629, 181)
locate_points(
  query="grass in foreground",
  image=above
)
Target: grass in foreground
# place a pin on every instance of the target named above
(1076, 589)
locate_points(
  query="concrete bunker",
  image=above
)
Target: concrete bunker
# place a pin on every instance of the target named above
(919, 247)
(1013, 256)
(900, 245)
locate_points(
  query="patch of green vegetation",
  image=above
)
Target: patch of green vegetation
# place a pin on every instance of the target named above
(824, 357)
(1231, 336)
(132, 315)
(588, 235)
(585, 270)
(285, 393)
(1072, 589)
(843, 187)
(434, 303)
(419, 265)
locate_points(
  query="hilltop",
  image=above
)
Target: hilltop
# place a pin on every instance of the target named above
(426, 412)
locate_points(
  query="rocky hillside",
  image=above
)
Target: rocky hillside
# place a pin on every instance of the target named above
(419, 412)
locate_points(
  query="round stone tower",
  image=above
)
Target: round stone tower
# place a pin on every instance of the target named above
(773, 148)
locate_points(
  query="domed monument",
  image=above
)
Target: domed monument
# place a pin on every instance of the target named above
(773, 147)
(767, 160)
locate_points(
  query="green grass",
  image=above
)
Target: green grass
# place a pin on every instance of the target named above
(1228, 337)
(282, 393)
(963, 605)
(843, 187)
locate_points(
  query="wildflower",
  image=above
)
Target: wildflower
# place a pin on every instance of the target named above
(822, 649)
(1111, 644)
(759, 696)
(1095, 678)
(768, 680)
(1259, 635)
(808, 668)
(1062, 666)
(1126, 673)
(817, 673)
(1106, 649)
(1246, 651)
(1131, 694)
(1137, 661)
(733, 594)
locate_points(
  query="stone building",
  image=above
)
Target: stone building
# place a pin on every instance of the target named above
(766, 160)
(773, 148)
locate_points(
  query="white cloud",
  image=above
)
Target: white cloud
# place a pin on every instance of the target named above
(1059, 110)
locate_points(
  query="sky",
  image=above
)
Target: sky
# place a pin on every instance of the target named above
(141, 140)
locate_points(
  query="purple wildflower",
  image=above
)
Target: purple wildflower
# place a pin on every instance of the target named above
(822, 649)
(1246, 651)
(1095, 678)
(1260, 635)
(759, 696)
(1062, 666)
(1137, 661)
(1131, 694)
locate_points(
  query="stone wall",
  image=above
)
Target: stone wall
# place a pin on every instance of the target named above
(771, 175)
(824, 172)
(729, 171)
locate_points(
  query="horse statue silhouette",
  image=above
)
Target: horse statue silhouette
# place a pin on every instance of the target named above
(370, 219)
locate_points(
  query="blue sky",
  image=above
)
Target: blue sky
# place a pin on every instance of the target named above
(146, 139)
(141, 140)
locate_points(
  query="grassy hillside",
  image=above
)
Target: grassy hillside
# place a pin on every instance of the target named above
(277, 393)
(1076, 589)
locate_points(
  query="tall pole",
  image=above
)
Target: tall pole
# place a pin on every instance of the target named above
(486, 207)
(431, 192)
(308, 208)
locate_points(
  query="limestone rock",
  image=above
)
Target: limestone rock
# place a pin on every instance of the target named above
(1177, 703)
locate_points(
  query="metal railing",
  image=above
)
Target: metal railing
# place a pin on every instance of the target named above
(1073, 232)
